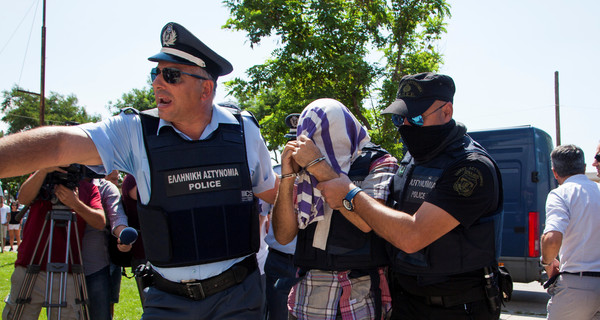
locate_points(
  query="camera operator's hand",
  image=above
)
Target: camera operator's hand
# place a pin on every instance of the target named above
(70, 198)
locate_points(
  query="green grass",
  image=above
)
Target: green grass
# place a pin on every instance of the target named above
(129, 306)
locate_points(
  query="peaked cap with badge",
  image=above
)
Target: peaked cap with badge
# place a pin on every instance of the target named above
(417, 92)
(181, 46)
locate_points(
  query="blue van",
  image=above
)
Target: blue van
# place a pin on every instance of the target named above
(523, 155)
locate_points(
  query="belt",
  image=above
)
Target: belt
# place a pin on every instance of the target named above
(471, 295)
(281, 254)
(200, 289)
(584, 273)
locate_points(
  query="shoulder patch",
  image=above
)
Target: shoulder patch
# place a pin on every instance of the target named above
(468, 179)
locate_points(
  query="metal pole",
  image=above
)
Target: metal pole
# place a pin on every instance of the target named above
(43, 71)
(556, 108)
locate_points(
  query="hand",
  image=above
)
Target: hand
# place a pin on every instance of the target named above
(288, 164)
(123, 247)
(335, 190)
(306, 151)
(52, 169)
(553, 268)
(68, 197)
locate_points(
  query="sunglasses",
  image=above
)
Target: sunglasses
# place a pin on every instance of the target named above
(172, 75)
(597, 157)
(398, 120)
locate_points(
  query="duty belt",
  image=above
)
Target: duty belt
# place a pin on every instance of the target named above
(471, 295)
(200, 289)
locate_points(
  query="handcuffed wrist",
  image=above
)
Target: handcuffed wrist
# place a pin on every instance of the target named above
(312, 163)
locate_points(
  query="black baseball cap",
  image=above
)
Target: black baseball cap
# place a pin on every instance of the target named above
(181, 46)
(417, 92)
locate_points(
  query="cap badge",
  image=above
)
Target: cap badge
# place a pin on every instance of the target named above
(169, 36)
(410, 89)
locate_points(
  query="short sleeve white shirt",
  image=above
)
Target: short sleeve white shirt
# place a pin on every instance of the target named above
(573, 209)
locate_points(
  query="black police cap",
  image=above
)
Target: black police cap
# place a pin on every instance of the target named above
(181, 46)
(417, 92)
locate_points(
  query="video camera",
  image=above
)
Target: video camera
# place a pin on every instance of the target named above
(70, 179)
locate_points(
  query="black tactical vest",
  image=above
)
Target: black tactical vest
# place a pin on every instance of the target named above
(202, 208)
(347, 246)
(462, 249)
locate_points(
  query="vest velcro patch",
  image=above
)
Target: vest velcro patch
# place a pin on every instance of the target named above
(202, 179)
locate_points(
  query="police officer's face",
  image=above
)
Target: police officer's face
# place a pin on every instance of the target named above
(184, 101)
(440, 112)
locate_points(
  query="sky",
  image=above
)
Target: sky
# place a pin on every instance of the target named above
(502, 56)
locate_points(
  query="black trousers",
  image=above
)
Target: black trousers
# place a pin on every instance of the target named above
(410, 307)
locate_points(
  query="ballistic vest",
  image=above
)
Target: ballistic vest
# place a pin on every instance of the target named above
(462, 249)
(347, 246)
(202, 208)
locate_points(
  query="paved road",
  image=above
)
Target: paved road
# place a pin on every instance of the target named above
(528, 302)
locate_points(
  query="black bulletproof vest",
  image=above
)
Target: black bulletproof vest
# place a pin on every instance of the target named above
(202, 208)
(462, 249)
(347, 246)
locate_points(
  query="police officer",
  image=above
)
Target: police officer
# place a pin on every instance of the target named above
(198, 168)
(446, 214)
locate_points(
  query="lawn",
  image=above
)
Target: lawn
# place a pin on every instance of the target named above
(129, 306)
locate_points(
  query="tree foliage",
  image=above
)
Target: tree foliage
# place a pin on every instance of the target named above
(352, 51)
(21, 112)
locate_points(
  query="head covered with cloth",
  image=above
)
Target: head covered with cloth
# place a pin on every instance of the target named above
(340, 137)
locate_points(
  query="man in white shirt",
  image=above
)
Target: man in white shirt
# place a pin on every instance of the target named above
(571, 233)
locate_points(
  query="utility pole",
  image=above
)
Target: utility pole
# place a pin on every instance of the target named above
(43, 71)
(556, 108)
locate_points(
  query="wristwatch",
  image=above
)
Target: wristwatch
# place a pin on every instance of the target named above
(348, 201)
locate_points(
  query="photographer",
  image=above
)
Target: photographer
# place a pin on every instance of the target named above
(85, 201)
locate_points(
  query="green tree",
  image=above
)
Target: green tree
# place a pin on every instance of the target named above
(140, 99)
(352, 51)
(21, 110)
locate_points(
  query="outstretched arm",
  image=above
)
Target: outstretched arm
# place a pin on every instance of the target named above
(410, 233)
(45, 147)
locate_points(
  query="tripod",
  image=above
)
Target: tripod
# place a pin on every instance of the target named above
(56, 271)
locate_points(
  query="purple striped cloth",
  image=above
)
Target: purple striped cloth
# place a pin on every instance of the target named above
(340, 137)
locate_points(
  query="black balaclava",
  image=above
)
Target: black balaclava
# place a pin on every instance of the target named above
(424, 143)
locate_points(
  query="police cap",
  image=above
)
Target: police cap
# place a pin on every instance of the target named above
(181, 46)
(416, 93)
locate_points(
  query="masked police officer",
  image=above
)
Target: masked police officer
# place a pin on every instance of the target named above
(447, 209)
(198, 168)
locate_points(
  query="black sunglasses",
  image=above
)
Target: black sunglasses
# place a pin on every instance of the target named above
(172, 75)
(597, 157)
